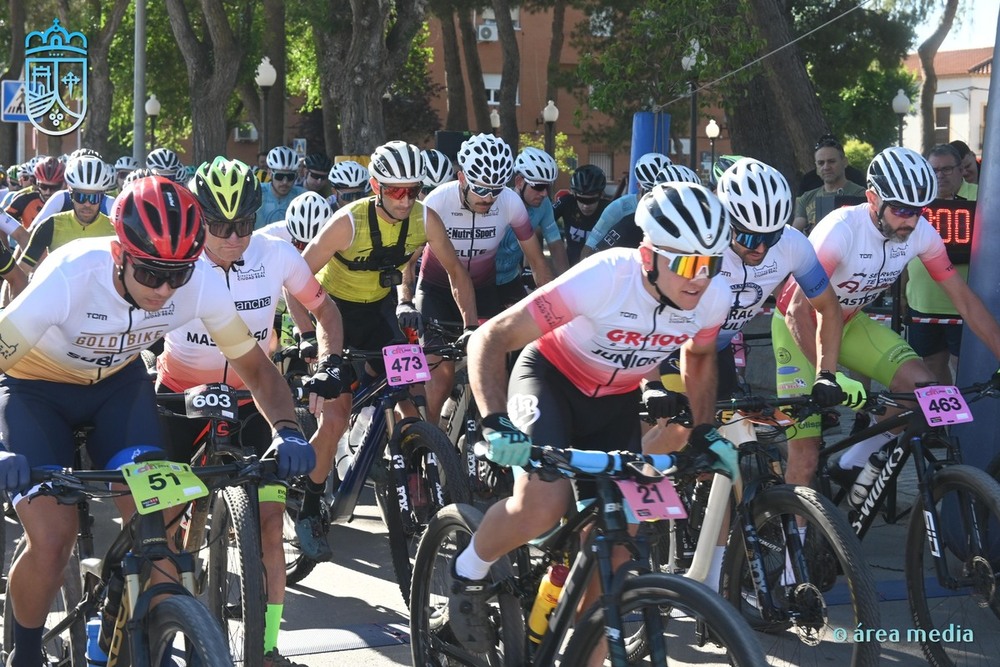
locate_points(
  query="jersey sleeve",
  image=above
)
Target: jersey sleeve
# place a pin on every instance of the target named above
(41, 239)
(550, 230)
(609, 218)
(53, 205)
(43, 304)
(8, 225)
(298, 280)
(519, 220)
(932, 252)
(6, 260)
(806, 267)
(218, 313)
(572, 294)
(831, 242)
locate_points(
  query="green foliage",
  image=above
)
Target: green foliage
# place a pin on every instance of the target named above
(566, 157)
(859, 154)
(408, 113)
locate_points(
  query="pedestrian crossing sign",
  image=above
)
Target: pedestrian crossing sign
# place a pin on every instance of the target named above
(13, 107)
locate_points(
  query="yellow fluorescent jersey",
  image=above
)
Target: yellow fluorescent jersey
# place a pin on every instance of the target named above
(362, 285)
(58, 230)
(71, 326)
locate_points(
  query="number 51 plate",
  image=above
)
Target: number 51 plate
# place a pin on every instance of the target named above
(943, 405)
(157, 485)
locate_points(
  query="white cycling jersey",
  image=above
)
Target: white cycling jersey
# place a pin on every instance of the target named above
(72, 326)
(278, 230)
(476, 237)
(862, 263)
(190, 356)
(605, 332)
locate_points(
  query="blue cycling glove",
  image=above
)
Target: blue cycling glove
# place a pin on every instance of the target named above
(294, 453)
(508, 446)
(724, 457)
(15, 475)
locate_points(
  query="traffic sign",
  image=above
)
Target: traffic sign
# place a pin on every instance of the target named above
(12, 104)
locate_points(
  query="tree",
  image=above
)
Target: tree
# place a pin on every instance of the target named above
(16, 16)
(927, 51)
(458, 111)
(474, 73)
(101, 88)
(510, 75)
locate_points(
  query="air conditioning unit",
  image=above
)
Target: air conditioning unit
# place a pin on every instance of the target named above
(245, 133)
(487, 33)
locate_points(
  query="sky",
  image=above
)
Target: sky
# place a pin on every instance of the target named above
(976, 27)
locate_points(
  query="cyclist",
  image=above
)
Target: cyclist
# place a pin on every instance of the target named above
(87, 177)
(534, 173)
(164, 162)
(25, 205)
(646, 169)
(277, 194)
(256, 267)
(350, 183)
(60, 201)
(124, 166)
(593, 336)
(367, 248)
(438, 169)
(580, 210)
(318, 167)
(71, 356)
(864, 249)
(477, 210)
(4, 182)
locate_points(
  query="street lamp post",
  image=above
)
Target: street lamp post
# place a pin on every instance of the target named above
(712, 131)
(901, 107)
(550, 114)
(688, 63)
(495, 120)
(266, 76)
(152, 110)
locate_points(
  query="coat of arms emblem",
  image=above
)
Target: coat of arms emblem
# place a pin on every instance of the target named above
(55, 79)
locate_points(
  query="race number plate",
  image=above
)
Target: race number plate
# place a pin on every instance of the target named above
(211, 401)
(654, 501)
(943, 405)
(405, 364)
(157, 485)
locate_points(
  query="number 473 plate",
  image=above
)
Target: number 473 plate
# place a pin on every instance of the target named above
(405, 364)
(943, 405)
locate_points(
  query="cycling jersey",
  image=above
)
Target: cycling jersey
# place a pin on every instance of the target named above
(255, 282)
(71, 325)
(272, 208)
(57, 230)
(862, 263)
(509, 255)
(476, 236)
(25, 206)
(60, 202)
(605, 332)
(623, 234)
(362, 285)
(278, 230)
(618, 210)
(575, 224)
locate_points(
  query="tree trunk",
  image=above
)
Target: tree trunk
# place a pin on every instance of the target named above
(510, 74)
(458, 111)
(555, 50)
(275, 47)
(101, 90)
(474, 73)
(927, 51)
(16, 15)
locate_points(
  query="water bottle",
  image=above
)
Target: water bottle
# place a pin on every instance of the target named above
(548, 596)
(361, 426)
(866, 478)
(344, 454)
(96, 657)
(685, 546)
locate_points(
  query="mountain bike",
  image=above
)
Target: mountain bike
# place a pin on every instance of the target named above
(657, 617)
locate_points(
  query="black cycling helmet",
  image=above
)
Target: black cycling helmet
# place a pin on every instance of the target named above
(588, 180)
(318, 162)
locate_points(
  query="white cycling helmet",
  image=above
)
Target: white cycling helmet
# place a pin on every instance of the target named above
(486, 160)
(110, 177)
(163, 162)
(536, 166)
(685, 218)
(677, 173)
(306, 214)
(348, 174)
(126, 163)
(756, 195)
(397, 162)
(282, 158)
(88, 173)
(437, 168)
(80, 152)
(647, 167)
(902, 175)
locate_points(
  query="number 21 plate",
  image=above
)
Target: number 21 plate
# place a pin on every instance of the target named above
(405, 364)
(943, 405)
(658, 500)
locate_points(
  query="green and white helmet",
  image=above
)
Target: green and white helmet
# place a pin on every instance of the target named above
(227, 189)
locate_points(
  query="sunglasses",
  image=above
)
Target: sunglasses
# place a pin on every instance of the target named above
(317, 177)
(752, 240)
(153, 278)
(690, 267)
(486, 190)
(351, 196)
(400, 192)
(827, 141)
(283, 176)
(299, 245)
(223, 229)
(538, 187)
(48, 187)
(86, 197)
(904, 211)
(586, 201)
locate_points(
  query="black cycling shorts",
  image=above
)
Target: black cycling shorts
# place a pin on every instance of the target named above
(438, 303)
(183, 433)
(369, 327)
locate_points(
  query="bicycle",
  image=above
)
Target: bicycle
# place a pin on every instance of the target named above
(115, 588)
(414, 468)
(639, 611)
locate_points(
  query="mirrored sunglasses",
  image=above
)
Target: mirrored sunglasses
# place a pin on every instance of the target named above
(223, 229)
(154, 277)
(486, 190)
(351, 196)
(283, 176)
(400, 192)
(86, 197)
(691, 267)
(752, 240)
(904, 211)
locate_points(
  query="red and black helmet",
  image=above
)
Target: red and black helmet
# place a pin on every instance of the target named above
(158, 221)
(50, 170)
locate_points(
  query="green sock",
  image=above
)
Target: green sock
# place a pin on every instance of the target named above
(272, 624)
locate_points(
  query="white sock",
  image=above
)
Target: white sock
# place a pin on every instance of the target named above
(714, 577)
(858, 454)
(470, 565)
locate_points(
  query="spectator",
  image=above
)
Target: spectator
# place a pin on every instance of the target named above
(263, 174)
(970, 170)
(811, 180)
(831, 165)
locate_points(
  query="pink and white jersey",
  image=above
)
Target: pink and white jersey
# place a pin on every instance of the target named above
(190, 356)
(476, 237)
(862, 263)
(605, 332)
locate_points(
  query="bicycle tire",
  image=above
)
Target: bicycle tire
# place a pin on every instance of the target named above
(204, 644)
(237, 597)
(818, 629)
(428, 493)
(69, 648)
(978, 609)
(297, 565)
(307, 421)
(709, 628)
(431, 639)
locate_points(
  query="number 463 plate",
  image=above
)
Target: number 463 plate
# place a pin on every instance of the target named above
(943, 405)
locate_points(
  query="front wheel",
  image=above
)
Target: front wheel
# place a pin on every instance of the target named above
(964, 609)
(819, 607)
(432, 641)
(181, 625)
(669, 620)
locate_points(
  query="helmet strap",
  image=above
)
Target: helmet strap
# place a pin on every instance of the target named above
(652, 275)
(121, 277)
(880, 220)
(465, 196)
(378, 202)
